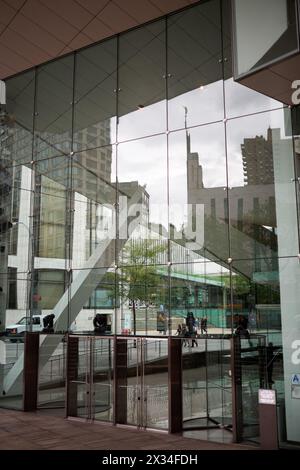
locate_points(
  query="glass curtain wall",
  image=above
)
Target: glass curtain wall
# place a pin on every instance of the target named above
(141, 183)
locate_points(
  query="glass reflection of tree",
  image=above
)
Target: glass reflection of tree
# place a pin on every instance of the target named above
(139, 281)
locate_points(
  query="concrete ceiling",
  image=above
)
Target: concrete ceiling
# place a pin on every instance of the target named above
(36, 31)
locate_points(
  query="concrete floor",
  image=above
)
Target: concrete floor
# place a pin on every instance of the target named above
(39, 431)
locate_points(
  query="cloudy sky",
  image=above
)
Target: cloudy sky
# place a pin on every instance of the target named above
(145, 159)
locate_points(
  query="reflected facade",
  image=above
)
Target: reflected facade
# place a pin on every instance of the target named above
(140, 182)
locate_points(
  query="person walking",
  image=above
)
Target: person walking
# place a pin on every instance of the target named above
(179, 330)
(185, 335)
(203, 325)
(194, 341)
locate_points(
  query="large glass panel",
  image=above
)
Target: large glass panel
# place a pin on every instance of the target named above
(14, 322)
(48, 288)
(219, 400)
(261, 37)
(16, 129)
(262, 202)
(253, 368)
(15, 315)
(91, 388)
(142, 199)
(5, 233)
(52, 374)
(294, 115)
(142, 387)
(11, 194)
(194, 385)
(144, 301)
(94, 206)
(206, 380)
(142, 85)
(195, 88)
(241, 100)
(102, 383)
(53, 108)
(95, 96)
(198, 192)
(11, 395)
(257, 316)
(200, 289)
(155, 412)
(79, 389)
(256, 297)
(51, 205)
(91, 301)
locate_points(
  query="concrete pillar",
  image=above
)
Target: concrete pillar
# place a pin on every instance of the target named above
(289, 272)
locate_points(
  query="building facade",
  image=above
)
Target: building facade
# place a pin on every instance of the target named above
(139, 175)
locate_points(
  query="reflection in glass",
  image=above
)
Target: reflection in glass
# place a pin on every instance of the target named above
(260, 170)
(194, 66)
(241, 100)
(94, 192)
(52, 219)
(206, 384)
(142, 192)
(142, 71)
(92, 292)
(52, 375)
(17, 125)
(54, 95)
(171, 212)
(200, 288)
(256, 297)
(95, 97)
(142, 383)
(144, 304)
(198, 196)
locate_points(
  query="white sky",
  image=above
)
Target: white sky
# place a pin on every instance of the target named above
(145, 160)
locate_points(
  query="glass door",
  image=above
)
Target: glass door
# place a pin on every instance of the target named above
(218, 376)
(253, 377)
(206, 385)
(78, 377)
(90, 378)
(154, 380)
(142, 382)
(102, 379)
(194, 386)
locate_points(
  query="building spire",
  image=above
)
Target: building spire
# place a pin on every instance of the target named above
(185, 116)
(188, 138)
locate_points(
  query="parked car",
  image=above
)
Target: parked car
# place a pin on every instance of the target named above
(17, 330)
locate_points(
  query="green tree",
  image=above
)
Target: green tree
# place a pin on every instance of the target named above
(139, 281)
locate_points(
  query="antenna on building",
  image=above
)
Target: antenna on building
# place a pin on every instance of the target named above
(185, 116)
(188, 141)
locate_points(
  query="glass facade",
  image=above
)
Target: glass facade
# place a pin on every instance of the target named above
(140, 182)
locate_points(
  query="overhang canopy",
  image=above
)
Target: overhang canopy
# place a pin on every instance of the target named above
(36, 31)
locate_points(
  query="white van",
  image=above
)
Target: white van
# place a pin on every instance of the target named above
(17, 330)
